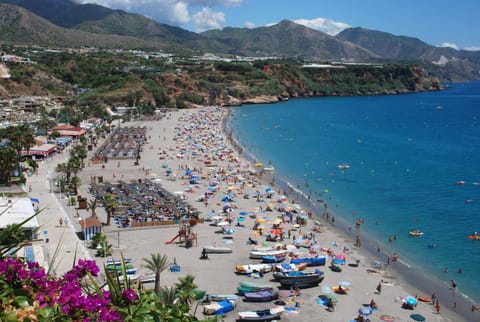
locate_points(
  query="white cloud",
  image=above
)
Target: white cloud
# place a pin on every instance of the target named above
(249, 25)
(325, 25)
(472, 48)
(449, 45)
(173, 12)
(207, 19)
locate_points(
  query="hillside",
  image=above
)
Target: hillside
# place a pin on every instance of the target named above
(447, 63)
(127, 79)
(287, 39)
(64, 23)
(32, 29)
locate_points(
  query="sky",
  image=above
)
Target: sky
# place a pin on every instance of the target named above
(443, 23)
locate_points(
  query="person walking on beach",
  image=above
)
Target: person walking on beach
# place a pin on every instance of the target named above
(379, 288)
(437, 307)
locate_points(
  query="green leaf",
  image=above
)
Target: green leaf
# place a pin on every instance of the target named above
(46, 313)
(22, 301)
(11, 317)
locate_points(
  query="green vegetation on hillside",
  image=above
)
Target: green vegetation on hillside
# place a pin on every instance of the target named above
(126, 79)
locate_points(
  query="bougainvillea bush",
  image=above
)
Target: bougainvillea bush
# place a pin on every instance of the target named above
(29, 293)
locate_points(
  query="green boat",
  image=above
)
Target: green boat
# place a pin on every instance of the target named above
(246, 286)
(112, 267)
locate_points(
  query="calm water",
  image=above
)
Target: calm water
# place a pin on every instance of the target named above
(406, 154)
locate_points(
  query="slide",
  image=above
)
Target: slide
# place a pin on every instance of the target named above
(172, 240)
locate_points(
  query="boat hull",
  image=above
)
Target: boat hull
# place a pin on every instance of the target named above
(217, 250)
(255, 254)
(310, 261)
(301, 282)
(258, 316)
(261, 296)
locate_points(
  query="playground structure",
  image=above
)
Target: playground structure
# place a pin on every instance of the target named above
(185, 235)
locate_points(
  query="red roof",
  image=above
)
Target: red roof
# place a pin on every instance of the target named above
(67, 130)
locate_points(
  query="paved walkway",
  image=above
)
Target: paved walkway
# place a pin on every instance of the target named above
(63, 246)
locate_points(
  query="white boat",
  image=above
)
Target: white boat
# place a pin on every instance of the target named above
(285, 267)
(256, 254)
(250, 268)
(343, 166)
(416, 232)
(216, 250)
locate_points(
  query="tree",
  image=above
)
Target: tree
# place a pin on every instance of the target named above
(20, 137)
(186, 289)
(75, 184)
(110, 204)
(8, 163)
(157, 264)
(92, 206)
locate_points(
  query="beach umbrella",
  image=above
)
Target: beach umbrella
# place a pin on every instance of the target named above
(366, 311)
(276, 232)
(260, 220)
(243, 213)
(418, 317)
(344, 283)
(223, 223)
(241, 219)
(327, 289)
(411, 300)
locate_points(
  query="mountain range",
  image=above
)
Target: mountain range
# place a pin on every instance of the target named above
(63, 23)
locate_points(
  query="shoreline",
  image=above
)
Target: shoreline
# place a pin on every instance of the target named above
(413, 277)
(216, 275)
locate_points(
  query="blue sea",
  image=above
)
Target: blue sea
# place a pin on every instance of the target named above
(407, 155)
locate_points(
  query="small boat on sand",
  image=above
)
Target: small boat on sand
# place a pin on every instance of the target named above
(261, 296)
(252, 268)
(301, 281)
(217, 250)
(221, 297)
(258, 254)
(273, 259)
(219, 308)
(247, 286)
(310, 261)
(272, 314)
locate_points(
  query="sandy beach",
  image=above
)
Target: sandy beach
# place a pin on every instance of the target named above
(194, 139)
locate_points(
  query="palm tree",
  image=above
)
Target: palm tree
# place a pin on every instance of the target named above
(75, 184)
(65, 169)
(157, 264)
(167, 295)
(62, 182)
(92, 205)
(110, 204)
(186, 289)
